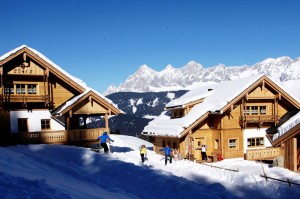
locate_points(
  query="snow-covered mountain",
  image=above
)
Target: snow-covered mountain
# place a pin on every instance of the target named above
(139, 109)
(193, 74)
(142, 105)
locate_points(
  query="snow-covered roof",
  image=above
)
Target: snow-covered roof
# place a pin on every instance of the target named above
(288, 125)
(214, 100)
(76, 98)
(191, 96)
(76, 80)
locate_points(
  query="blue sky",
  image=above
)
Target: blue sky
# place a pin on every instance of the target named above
(102, 42)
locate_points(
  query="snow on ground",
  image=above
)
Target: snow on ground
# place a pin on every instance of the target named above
(59, 171)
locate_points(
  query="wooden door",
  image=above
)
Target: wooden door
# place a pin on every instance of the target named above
(197, 147)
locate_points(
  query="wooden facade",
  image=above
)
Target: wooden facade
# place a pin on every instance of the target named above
(39, 99)
(289, 142)
(233, 129)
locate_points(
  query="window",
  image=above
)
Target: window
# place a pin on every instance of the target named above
(8, 90)
(247, 112)
(31, 89)
(177, 113)
(20, 88)
(263, 110)
(45, 124)
(255, 110)
(22, 125)
(217, 144)
(255, 142)
(232, 143)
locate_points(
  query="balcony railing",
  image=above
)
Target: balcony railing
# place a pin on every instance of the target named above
(24, 98)
(51, 137)
(258, 118)
(263, 153)
(82, 135)
(76, 137)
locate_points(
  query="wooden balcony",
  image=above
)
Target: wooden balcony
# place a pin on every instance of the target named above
(263, 153)
(74, 137)
(24, 98)
(85, 135)
(258, 119)
(50, 137)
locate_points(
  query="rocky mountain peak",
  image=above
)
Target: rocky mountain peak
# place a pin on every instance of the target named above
(146, 79)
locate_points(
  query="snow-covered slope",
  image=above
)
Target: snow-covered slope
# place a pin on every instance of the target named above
(59, 171)
(193, 74)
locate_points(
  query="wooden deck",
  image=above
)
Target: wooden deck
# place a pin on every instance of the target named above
(263, 153)
(72, 137)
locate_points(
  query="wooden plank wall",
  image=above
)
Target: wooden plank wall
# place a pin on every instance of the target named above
(290, 158)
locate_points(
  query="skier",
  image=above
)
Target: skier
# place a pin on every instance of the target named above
(143, 152)
(168, 151)
(103, 139)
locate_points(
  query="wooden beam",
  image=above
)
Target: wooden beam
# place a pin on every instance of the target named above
(222, 139)
(294, 154)
(106, 120)
(24, 56)
(1, 74)
(68, 123)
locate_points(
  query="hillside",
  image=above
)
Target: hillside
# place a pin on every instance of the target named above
(139, 108)
(59, 171)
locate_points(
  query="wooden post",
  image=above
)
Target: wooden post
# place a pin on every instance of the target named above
(106, 120)
(294, 154)
(222, 139)
(2, 87)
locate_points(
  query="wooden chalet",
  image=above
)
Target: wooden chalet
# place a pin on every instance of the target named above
(231, 118)
(41, 103)
(287, 137)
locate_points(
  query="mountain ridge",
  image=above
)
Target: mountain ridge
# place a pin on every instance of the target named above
(193, 74)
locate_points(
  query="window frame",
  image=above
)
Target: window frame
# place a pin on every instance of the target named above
(255, 142)
(230, 143)
(20, 88)
(45, 124)
(22, 125)
(255, 110)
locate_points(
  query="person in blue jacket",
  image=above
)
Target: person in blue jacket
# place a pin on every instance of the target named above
(103, 139)
(168, 151)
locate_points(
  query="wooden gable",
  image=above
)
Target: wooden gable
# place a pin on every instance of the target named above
(89, 107)
(26, 62)
(30, 69)
(91, 103)
(26, 67)
(263, 88)
(260, 92)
